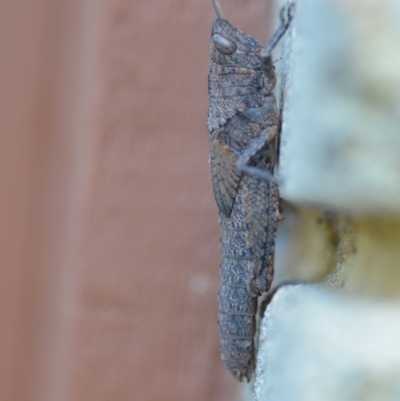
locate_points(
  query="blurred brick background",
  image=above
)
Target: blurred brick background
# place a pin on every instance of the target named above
(109, 247)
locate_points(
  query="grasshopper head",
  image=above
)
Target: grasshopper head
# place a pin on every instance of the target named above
(231, 47)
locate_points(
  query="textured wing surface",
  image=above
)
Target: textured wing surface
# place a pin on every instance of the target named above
(224, 173)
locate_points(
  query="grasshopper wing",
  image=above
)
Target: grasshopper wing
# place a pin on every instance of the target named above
(225, 175)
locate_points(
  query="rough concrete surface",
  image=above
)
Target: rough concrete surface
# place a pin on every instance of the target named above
(316, 345)
(340, 172)
(340, 135)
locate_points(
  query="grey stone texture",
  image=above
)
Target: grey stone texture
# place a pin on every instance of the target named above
(337, 339)
(341, 130)
(319, 346)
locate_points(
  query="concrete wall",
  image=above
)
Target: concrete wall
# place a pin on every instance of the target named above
(339, 166)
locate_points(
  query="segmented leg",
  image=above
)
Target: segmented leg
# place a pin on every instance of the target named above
(258, 147)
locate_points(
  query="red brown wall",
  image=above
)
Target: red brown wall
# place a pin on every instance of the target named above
(109, 245)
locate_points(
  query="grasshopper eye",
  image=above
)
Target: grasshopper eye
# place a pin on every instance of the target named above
(223, 45)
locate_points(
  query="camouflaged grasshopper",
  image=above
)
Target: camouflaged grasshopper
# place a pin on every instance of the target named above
(242, 121)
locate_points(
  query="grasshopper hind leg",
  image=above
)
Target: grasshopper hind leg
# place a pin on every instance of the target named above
(258, 160)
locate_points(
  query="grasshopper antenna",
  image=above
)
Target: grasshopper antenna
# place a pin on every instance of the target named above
(286, 17)
(218, 9)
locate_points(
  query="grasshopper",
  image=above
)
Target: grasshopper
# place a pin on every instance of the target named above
(242, 121)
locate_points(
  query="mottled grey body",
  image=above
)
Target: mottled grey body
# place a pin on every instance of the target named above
(242, 120)
(247, 241)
